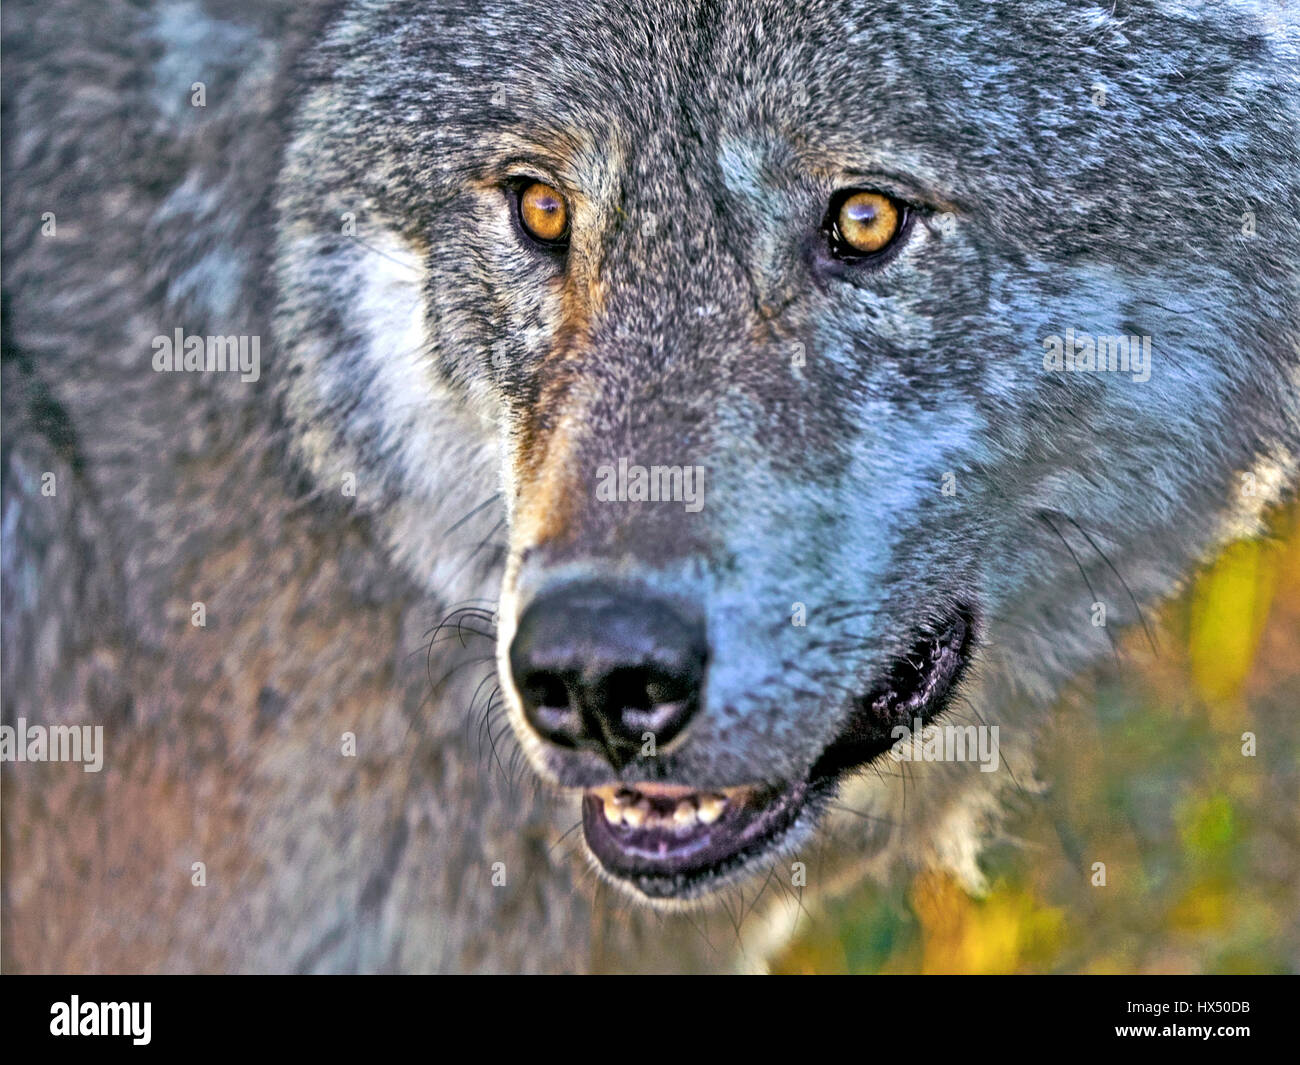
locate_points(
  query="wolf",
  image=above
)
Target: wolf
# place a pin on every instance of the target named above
(388, 682)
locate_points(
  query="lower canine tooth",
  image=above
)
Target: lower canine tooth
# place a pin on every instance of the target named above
(711, 808)
(684, 814)
(636, 815)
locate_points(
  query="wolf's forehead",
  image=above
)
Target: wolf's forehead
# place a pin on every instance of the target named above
(845, 78)
(1033, 117)
(682, 61)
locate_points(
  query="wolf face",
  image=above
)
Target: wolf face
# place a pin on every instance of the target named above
(767, 358)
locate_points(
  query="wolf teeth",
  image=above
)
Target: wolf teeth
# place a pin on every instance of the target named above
(623, 808)
(711, 807)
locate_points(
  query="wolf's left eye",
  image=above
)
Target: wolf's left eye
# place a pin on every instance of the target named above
(862, 223)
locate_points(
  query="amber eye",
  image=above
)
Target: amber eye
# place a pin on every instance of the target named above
(862, 223)
(543, 214)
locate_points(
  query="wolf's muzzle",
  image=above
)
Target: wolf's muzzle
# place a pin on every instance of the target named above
(609, 668)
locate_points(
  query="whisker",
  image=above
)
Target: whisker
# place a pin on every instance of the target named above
(1118, 576)
(1082, 573)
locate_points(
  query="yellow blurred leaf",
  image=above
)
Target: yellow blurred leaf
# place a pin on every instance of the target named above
(1206, 906)
(1229, 607)
(998, 934)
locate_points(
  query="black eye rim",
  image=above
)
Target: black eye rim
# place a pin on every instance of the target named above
(515, 189)
(841, 250)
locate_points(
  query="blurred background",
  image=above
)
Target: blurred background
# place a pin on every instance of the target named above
(1147, 772)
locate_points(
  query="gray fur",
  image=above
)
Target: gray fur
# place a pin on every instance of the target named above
(427, 355)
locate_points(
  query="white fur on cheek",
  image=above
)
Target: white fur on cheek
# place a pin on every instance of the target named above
(432, 441)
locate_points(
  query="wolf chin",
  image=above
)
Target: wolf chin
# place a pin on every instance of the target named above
(447, 706)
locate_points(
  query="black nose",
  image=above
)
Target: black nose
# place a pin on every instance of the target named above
(608, 668)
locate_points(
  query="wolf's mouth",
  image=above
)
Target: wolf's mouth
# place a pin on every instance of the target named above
(669, 841)
(673, 842)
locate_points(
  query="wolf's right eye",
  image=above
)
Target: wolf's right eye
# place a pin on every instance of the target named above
(544, 214)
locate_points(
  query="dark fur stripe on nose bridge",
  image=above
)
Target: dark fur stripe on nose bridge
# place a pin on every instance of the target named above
(547, 484)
